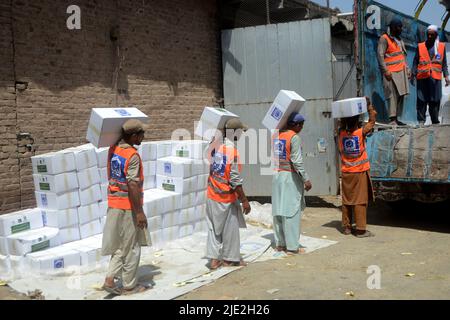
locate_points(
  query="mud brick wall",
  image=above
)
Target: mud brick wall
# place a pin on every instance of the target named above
(162, 56)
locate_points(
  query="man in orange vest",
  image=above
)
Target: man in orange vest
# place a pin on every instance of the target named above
(223, 211)
(289, 183)
(392, 63)
(430, 63)
(124, 231)
(355, 169)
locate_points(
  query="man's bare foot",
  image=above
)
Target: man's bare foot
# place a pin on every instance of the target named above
(347, 231)
(280, 248)
(215, 264)
(298, 251)
(137, 289)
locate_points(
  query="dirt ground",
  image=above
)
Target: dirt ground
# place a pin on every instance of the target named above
(411, 248)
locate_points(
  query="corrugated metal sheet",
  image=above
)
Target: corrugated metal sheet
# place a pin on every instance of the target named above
(260, 61)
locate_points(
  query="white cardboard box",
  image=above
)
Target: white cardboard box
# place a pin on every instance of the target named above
(170, 234)
(200, 212)
(19, 221)
(90, 257)
(105, 124)
(89, 213)
(148, 150)
(201, 226)
(54, 259)
(157, 238)
(164, 148)
(161, 201)
(200, 197)
(188, 200)
(348, 107)
(103, 207)
(149, 168)
(154, 223)
(178, 185)
(202, 182)
(88, 177)
(102, 157)
(34, 240)
(60, 218)
(69, 234)
(90, 195)
(187, 215)
(55, 201)
(211, 120)
(193, 149)
(5, 266)
(85, 156)
(175, 167)
(286, 102)
(59, 183)
(53, 163)
(103, 222)
(103, 173)
(90, 229)
(200, 167)
(170, 219)
(185, 230)
(4, 246)
(104, 191)
(149, 182)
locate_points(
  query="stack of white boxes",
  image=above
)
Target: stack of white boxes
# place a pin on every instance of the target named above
(176, 208)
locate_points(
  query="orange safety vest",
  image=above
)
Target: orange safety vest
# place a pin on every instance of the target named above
(219, 188)
(118, 161)
(282, 151)
(428, 67)
(352, 148)
(394, 57)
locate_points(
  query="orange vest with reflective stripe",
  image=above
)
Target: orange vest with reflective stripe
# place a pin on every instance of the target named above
(352, 148)
(118, 162)
(394, 57)
(219, 188)
(428, 67)
(282, 151)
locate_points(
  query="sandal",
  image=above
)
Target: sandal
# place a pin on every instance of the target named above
(241, 263)
(137, 289)
(112, 290)
(347, 231)
(298, 251)
(280, 248)
(366, 234)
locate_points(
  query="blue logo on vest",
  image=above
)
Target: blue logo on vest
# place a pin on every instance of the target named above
(351, 146)
(279, 148)
(276, 113)
(219, 163)
(122, 112)
(117, 168)
(58, 263)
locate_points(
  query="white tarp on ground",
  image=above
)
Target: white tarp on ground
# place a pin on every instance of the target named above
(177, 269)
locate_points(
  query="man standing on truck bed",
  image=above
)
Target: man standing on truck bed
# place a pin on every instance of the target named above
(429, 64)
(392, 62)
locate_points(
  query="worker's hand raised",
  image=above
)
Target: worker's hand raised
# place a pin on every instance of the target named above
(246, 207)
(308, 185)
(141, 220)
(388, 75)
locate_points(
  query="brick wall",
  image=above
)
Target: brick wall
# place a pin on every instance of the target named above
(165, 61)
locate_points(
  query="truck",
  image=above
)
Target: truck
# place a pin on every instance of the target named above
(408, 162)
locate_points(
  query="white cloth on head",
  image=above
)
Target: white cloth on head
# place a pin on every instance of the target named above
(436, 42)
(432, 28)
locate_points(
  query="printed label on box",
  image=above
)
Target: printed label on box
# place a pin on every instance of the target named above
(276, 113)
(44, 186)
(168, 186)
(122, 112)
(360, 107)
(182, 153)
(40, 246)
(44, 200)
(42, 168)
(167, 167)
(58, 263)
(20, 227)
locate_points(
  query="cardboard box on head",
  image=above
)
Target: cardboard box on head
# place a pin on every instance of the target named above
(212, 119)
(105, 124)
(348, 107)
(285, 103)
